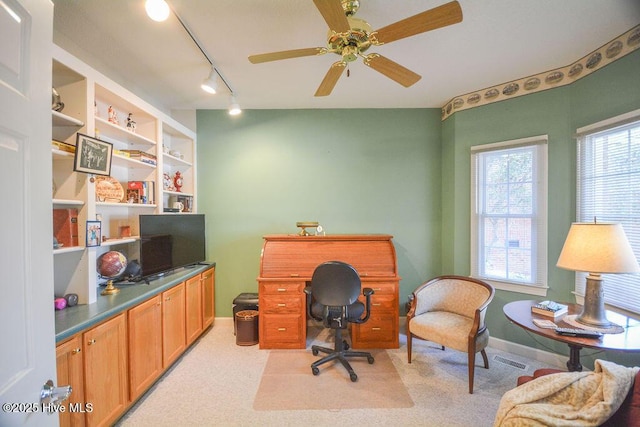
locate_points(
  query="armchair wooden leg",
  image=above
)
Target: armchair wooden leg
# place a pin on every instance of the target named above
(408, 347)
(472, 366)
(484, 357)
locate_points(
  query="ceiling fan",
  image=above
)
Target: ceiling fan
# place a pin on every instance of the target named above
(350, 37)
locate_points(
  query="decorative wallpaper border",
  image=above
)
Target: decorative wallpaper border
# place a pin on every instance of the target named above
(612, 51)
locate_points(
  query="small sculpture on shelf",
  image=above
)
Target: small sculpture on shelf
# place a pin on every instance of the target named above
(131, 124)
(177, 181)
(113, 116)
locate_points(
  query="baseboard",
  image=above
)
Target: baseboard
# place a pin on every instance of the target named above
(548, 358)
(223, 320)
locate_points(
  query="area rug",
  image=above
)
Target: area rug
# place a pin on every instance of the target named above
(288, 384)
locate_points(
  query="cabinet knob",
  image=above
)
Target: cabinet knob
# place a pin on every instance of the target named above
(91, 342)
(76, 350)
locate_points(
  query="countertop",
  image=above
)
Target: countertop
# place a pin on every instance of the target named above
(75, 319)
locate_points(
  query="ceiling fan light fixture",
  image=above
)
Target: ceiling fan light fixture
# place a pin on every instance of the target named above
(210, 84)
(158, 10)
(234, 107)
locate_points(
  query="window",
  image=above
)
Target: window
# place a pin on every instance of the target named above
(608, 189)
(509, 217)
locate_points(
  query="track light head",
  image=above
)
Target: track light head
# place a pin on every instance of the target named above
(234, 107)
(158, 10)
(210, 84)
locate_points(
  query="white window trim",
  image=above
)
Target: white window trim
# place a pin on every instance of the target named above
(530, 289)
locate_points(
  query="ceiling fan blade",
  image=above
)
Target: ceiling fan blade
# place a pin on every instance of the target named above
(286, 54)
(391, 69)
(331, 78)
(333, 15)
(438, 17)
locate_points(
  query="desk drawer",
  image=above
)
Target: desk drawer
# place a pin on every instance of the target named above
(280, 288)
(282, 331)
(381, 288)
(380, 331)
(381, 302)
(282, 304)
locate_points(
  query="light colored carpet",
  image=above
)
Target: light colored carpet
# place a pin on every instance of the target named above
(288, 384)
(215, 384)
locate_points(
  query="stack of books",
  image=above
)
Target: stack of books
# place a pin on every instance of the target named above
(139, 155)
(549, 308)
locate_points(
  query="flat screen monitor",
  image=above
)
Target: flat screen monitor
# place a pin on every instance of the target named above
(168, 242)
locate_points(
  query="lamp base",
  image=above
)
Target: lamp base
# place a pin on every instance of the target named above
(593, 312)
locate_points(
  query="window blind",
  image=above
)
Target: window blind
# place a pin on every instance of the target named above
(608, 189)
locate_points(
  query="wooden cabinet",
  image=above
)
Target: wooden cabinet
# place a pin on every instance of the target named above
(145, 345)
(288, 262)
(173, 324)
(70, 372)
(105, 371)
(193, 298)
(208, 278)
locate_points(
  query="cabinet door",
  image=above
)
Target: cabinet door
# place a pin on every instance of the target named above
(105, 370)
(69, 369)
(145, 345)
(173, 324)
(208, 297)
(193, 290)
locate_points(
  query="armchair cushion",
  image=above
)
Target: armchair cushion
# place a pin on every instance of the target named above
(448, 329)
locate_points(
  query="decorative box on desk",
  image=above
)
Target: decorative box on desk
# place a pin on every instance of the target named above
(287, 263)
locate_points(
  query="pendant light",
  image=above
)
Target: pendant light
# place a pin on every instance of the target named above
(158, 10)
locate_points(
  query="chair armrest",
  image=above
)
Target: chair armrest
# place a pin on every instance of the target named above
(367, 292)
(307, 291)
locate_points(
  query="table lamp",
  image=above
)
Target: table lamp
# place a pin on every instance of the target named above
(597, 248)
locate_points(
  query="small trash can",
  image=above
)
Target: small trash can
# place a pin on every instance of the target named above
(244, 301)
(247, 327)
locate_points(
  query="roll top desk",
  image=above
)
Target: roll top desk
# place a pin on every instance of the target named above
(287, 263)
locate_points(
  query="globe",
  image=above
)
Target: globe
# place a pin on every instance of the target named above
(111, 264)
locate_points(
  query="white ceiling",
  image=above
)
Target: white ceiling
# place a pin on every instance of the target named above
(497, 41)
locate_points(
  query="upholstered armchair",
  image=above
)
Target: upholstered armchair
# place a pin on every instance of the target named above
(450, 311)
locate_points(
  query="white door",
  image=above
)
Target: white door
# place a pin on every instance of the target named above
(27, 349)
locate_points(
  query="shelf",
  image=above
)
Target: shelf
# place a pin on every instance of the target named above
(175, 161)
(128, 205)
(67, 202)
(177, 193)
(117, 134)
(129, 162)
(113, 242)
(67, 250)
(60, 119)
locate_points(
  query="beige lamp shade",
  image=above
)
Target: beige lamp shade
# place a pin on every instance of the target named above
(598, 248)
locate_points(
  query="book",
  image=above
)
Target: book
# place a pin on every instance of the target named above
(65, 226)
(549, 308)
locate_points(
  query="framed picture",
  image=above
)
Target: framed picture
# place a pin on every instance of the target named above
(92, 155)
(94, 233)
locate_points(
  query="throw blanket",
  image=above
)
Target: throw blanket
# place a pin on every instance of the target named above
(568, 398)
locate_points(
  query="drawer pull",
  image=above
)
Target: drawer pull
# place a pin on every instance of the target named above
(295, 275)
(377, 289)
(376, 303)
(376, 329)
(282, 289)
(282, 305)
(282, 329)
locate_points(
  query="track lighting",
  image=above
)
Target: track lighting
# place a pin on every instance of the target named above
(210, 84)
(158, 10)
(234, 107)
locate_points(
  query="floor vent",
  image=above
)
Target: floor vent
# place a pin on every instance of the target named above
(509, 362)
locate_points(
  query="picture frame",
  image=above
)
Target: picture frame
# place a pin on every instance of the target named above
(92, 155)
(94, 233)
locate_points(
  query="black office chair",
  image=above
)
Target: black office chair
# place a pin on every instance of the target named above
(332, 298)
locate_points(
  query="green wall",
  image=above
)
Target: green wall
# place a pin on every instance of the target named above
(557, 113)
(354, 171)
(396, 171)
